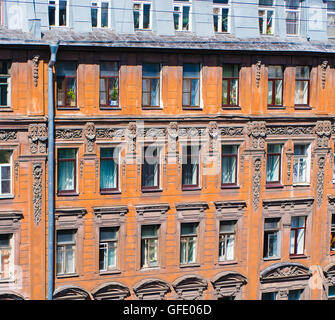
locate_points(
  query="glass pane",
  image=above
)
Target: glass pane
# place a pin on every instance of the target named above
(108, 174)
(176, 15)
(269, 22)
(272, 168)
(294, 294)
(225, 20)
(149, 231)
(109, 69)
(279, 92)
(195, 93)
(66, 153)
(191, 70)
(275, 72)
(191, 250)
(227, 226)
(331, 24)
(292, 22)
(292, 4)
(66, 69)
(271, 223)
(270, 84)
(5, 240)
(136, 16)
(5, 187)
(230, 247)
(221, 1)
(230, 71)
(274, 148)
(5, 156)
(269, 295)
(62, 13)
(229, 149)
(69, 259)
(186, 17)
(261, 18)
(66, 176)
(216, 22)
(65, 236)
(188, 228)
(108, 234)
(113, 91)
(272, 244)
(4, 93)
(60, 259)
(155, 92)
(298, 222)
(111, 255)
(52, 14)
(265, 2)
(233, 91)
(146, 16)
(300, 149)
(150, 70)
(228, 169)
(301, 92)
(300, 241)
(103, 91)
(225, 91)
(71, 92)
(5, 172)
(302, 72)
(186, 93)
(104, 14)
(292, 241)
(331, 291)
(94, 17)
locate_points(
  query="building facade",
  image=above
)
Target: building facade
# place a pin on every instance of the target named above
(194, 149)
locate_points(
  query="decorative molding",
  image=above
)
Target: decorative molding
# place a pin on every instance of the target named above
(38, 136)
(37, 192)
(256, 130)
(16, 169)
(13, 215)
(131, 134)
(81, 167)
(201, 206)
(323, 130)
(110, 133)
(71, 293)
(285, 272)
(289, 157)
(90, 135)
(111, 291)
(8, 135)
(161, 208)
(151, 133)
(256, 182)
(68, 134)
(116, 210)
(231, 131)
(228, 284)
(235, 204)
(290, 203)
(289, 130)
(320, 180)
(172, 132)
(213, 132)
(35, 61)
(189, 287)
(258, 72)
(153, 289)
(324, 66)
(192, 132)
(97, 168)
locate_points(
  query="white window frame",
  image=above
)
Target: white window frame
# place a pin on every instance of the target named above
(97, 4)
(223, 236)
(147, 240)
(308, 163)
(181, 5)
(220, 7)
(266, 9)
(55, 3)
(186, 238)
(277, 230)
(64, 245)
(298, 11)
(142, 3)
(11, 259)
(10, 164)
(105, 243)
(330, 12)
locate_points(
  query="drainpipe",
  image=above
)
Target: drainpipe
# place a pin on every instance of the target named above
(51, 170)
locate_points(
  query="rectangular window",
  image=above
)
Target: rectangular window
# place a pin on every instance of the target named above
(294, 294)
(227, 241)
(5, 172)
(221, 16)
(269, 295)
(149, 246)
(229, 165)
(6, 256)
(108, 248)
(5, 88)
(66, 178)
(66, 73)
(109, 84)
(181, 16)
(150, 84)
(266, 14)
(66, 250)
(331, 19)
(191, 85)
(273, 164)
(99, 14)
(297, 241)
(190, 167)
(301, 164)
(275, 86)
(188, 243)
(109, 169)
(150, 168)
(230, 75)
(57, 13)
(331, 293)
(292, 10)
(332, 235)
(301, 96)
(271, 238)
(142, 14)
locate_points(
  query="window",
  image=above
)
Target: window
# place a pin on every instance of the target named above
(294, 294)
(271, 238)
(190, 167)
(301, 96)
(150, 168)
(229, 165)
(66, 170)
(266, 14)
(230, 85)
(5, 172)
(331, 19)
(66, 73)
(181, 15)
(6, 256)
(5, 88)
(297, 241)
(227, 240)
(331, 293)
(292, 9)
(66, 249)
(150, 85)
(273, 164)
(100, 14)
(191, 85)
(221, 16)
(188, 243)
(142, 15)
(275, 86)
(109, 84)
(57, 13)
(269, 295)
(108, 248)
(149, 246)
(301, 164)
(109, 169)
(332, 235)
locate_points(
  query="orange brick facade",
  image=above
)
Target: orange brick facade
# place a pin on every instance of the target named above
(88, 128)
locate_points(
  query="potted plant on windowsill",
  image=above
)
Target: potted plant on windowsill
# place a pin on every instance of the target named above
(113, 101)
(71, 96)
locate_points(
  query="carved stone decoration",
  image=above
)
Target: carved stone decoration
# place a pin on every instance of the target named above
(324, 66)
(190, 287)
(151, 133)
(213, 132)
(172, 136)
(323, 130)
(8, 135)
(289, 157)
(35, 61)
(151, 289)
(131, 134)
(290, 130)
(68, 134)
(71, 293)
(256, 130)
(37, 192)
(258, 72)
(110, 133)
(192, 133)
(231, 131)
(256, 182)
(283, 294)
(38, 136)
(320, 180)
(90, 135)
(81, 167)
(97, 168)
(111, 291)
(228, 284)
(16, 170)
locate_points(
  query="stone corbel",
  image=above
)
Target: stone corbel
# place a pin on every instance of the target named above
(90, 135)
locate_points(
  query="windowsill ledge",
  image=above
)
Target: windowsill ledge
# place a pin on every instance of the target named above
(301, 185)
(190, 265)
(190, 188)
(271, 259)
(230, 186)
(148, 269)
(151, 190)
(104, 193)
(195, 108)
(152, 108)
(109, 272)
(7, 281)
(302, 107)
(299, 257)
(226, 107)
(72, 194)
(227, 263)
(6, 109)
(276, 107)
(110, 108)
(274, 186)
(6, 196)
(69, 275)
(68, 108)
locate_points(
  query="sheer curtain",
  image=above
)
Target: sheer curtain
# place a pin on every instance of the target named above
(66, 176)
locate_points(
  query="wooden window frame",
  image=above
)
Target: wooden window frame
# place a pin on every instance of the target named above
(272, 230)
(148, 78)
(230, 155)
(187, 237)
(157, 237)
(158, 157)
(295, 254)
(189, 80)
(303, 106)
(107, 84)
(225, 234)
(7, 76)
(272, 184)
(189, 155)
(273, 105)
(64, 81)
(109, 241)
(116, 160)
(229, 105)
(74, 244)
(74, 160)
(10, 164)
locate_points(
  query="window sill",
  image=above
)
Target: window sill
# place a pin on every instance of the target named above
(152, 108)
(196, 108)
(68, 108)
(70, 194)
(110, 192)
(151, 190)
(190, 265)
(302, 185)
(69, 275)
(109, 272)
(229, 186)
(276, 107)
(271, 259)
(227, 263)
(6, 196)
(301, 256)
(153, 268)
(6, 109)
(190, 188)
(274, 186)
(302, 107)
(110, 108)
(227, 107)
(8, 280)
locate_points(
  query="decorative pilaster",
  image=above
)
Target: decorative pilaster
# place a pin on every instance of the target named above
(213, 133)
(90, 135)
(256, 182)
(320, 180)
(37, 192)
(258, 72)
(35, 61)
(38, 136)
(131, 134)
(324, 66)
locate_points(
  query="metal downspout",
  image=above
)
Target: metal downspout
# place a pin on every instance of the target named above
(51, 170)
